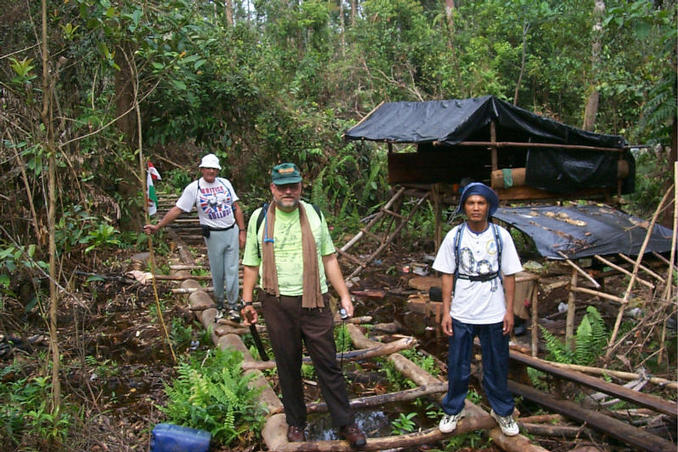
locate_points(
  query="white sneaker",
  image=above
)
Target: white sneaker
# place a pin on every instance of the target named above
(507, 424)
(449, 422)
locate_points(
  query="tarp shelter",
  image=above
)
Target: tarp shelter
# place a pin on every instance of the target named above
(523, 155)
(584, 231)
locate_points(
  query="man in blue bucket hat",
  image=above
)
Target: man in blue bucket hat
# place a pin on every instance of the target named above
(478, 261)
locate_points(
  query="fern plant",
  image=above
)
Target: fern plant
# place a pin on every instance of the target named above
(590, 340)
(213, 395)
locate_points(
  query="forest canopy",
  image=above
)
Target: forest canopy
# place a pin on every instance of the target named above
(258, 82)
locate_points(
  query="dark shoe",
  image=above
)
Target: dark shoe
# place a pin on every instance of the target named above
(354, 436)
(295, 434)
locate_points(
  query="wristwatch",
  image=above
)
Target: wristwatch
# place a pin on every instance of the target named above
(246, 303)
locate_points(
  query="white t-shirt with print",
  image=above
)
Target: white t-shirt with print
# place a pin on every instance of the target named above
(214, 202)
(478, 302)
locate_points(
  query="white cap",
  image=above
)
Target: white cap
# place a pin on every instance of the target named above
(210, 161)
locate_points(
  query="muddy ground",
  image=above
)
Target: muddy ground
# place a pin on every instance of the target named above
(116, 362)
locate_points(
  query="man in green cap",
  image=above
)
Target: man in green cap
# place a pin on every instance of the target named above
(290, 245)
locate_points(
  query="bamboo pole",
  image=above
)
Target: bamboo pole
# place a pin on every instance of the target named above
(142, 180)
(669, 274)
(579, 269)
(623, 270)
(627, 294)
(597, 293)
(642, 267)
(569, 324)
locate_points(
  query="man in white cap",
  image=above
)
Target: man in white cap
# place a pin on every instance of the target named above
(478, 262)
(223, 226)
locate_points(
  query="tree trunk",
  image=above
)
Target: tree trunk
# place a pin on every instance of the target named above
(51, 214)
(124, 97)
(592, 104)
(449, 14)
(354, 11)
(229, 12)
(526, 29)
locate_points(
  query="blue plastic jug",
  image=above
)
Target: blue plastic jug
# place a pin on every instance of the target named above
(176, 438)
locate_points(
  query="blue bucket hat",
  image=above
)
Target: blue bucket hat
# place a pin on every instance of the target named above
(478, 188)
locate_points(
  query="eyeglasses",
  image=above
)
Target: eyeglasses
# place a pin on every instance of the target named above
(288, 187)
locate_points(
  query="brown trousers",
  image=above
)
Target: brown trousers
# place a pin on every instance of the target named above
(289, 324)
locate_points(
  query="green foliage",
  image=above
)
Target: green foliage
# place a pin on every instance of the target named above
(307, 371)
(181, 334)
(23, 70)
(213, 395)
(537, 378)
(24, 414)
(426, 362)
(590, 340)
(404, 424)
(342, 338)
(396, 380)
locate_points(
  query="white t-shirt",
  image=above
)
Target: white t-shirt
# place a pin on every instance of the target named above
(214, 202)
(478, 302)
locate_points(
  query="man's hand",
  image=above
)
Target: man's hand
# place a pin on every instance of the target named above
(508, 322)
(446, 324)
(347, 304)
(242, 236)
(249, 315)
(150, 228)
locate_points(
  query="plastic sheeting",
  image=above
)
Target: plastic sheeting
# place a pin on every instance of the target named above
(584, 231)
(455, 120)
(449, 122)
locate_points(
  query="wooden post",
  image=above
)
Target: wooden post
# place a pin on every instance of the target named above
(438, 213)
(535, 319)
(569, 324)
(493, 148)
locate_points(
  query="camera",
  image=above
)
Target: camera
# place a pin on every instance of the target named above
(343, 314)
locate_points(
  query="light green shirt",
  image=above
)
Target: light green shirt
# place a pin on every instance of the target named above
(289, 261)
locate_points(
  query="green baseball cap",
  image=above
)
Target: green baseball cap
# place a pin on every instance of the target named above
(285, 173)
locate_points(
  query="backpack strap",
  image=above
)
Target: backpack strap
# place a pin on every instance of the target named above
(457, 243)
(498, 242)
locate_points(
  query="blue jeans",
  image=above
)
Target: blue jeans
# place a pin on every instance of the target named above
(495, 351)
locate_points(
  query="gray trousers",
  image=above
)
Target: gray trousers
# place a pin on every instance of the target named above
(223, 251)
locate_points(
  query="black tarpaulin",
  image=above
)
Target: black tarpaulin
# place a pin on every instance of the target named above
(449, 122)
(584, 231)
(455, 120)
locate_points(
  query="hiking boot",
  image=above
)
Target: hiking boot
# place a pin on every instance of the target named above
(354, 436)
(234, 315)
(508, 426)
(449, 422)
(219, 314)
(295, 434)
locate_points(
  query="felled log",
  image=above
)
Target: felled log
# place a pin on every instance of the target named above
(518, 175)
(381, 399)
(275, 437)
(561, 431)
(353, 355)
(663, 382)
(624, 432)
(646, 400)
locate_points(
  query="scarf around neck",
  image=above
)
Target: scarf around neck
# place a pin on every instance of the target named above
(312, 296)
